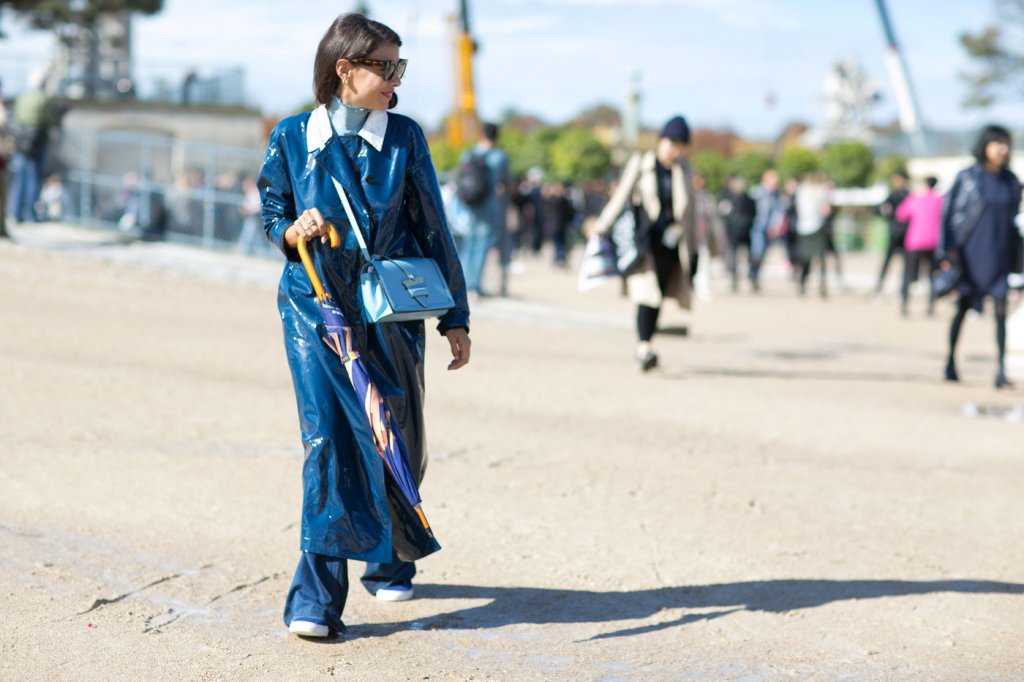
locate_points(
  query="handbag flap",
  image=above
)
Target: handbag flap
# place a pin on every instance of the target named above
(412, 284)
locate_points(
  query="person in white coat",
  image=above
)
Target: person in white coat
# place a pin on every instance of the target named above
(656, 188)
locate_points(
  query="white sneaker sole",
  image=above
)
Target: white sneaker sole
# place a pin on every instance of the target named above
(305, 628)
(391, 594)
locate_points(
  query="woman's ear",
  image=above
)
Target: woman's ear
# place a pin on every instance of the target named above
(342, 67)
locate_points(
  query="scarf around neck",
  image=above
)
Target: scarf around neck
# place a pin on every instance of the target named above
(346, 119)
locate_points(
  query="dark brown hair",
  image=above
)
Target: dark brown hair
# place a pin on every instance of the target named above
(351, 36)
(990, 133)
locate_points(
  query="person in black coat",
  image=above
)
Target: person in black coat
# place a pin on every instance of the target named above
(979, 236)
(737, 210)
(897, 228)
(560, 214)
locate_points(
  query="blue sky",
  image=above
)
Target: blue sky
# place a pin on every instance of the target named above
(711, 60)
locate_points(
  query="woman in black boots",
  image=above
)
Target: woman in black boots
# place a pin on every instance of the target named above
(979, 236)
(654, 201)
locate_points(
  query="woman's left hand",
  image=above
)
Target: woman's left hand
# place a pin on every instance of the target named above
(459, 340)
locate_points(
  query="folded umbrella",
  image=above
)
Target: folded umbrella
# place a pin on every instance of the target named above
(386, 435)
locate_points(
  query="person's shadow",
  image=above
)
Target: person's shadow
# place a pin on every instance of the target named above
(520, 605)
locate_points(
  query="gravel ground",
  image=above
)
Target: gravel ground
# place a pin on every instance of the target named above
(792, 495)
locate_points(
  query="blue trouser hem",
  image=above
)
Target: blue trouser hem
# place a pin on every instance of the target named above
(319, 589)
(389, 574)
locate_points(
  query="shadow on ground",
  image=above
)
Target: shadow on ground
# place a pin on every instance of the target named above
(524, 605)
(810, 375)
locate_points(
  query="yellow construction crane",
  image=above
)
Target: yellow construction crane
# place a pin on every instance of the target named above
(463, 124)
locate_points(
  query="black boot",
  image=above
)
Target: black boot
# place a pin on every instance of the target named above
(951, 374)
(1001, 380)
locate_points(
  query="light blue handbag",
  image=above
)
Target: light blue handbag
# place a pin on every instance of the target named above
(397, 289)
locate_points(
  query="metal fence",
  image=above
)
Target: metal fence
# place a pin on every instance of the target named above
(152, 185)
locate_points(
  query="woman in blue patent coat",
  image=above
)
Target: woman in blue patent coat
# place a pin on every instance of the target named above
(383, 162)
(979, 234)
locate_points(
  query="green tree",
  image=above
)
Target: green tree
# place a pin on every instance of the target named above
(996, 53)
(849, 164)
(889, 165)
(445, 156)
(526, 151)
(796, 162)
(577, 156)
(751, 166)
(714, 167)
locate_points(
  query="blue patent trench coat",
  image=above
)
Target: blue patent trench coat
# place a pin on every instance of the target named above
(351, 508)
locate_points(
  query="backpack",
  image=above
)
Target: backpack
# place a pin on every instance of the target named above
(473, 180)
(26, 137)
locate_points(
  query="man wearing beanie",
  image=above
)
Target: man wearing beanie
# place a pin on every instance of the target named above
(653, 224)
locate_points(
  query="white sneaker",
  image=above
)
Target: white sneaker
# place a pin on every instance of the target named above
(307, 628)
(395, 593)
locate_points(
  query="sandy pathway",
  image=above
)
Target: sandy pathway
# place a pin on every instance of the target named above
(793, 495)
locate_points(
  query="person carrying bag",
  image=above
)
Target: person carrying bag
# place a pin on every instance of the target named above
(350, 509)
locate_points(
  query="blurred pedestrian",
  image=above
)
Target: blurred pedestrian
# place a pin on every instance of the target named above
(656, 186)
(979, 236)
(769, 215)
(831, 244)
(922, 213)
(789, 233)
(129, 208)
(737, 210)
(560, 214)
(814, 211)
(251, 239)
(54, 199)
(31, 121)
(897, 228)
(529, 203)
(8, 146)
(183, 203)
(710, 236)
(384, 164)
(481, 187)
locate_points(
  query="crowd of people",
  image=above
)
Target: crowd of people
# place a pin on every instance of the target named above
(667, 230)
(492, 211)
(516, 217)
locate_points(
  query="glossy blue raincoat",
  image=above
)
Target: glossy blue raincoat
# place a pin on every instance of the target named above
(350, 506)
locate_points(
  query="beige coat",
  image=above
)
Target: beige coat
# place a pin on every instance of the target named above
(639, 185)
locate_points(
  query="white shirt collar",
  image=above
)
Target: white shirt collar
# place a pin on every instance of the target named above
(319, 130)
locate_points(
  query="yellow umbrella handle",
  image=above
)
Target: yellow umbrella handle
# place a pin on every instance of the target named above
(307, 262)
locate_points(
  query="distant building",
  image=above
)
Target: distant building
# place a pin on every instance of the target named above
(94, 65)
(88, 65)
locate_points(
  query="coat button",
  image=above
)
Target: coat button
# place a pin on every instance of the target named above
(369, 180)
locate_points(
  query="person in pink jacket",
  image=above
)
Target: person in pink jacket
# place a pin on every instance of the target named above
(923, 213)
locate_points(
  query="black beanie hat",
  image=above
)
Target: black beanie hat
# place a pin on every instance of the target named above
(676, 130)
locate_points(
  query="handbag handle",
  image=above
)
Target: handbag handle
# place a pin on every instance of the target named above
(307, 263)
(351, 218)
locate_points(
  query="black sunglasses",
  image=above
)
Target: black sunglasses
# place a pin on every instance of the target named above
(388, 69)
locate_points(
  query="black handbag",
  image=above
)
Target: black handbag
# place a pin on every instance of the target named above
(946, 280)
(623, 237)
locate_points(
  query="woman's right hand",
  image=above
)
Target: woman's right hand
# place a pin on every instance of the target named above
(309, 225)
